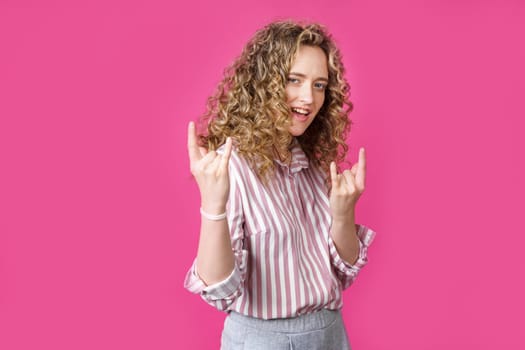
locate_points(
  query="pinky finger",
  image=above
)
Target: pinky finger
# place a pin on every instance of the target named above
(225, 158)
(333, 174)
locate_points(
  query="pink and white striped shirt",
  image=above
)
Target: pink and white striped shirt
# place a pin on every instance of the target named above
(286, 263)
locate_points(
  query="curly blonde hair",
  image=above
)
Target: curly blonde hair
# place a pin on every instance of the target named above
(250, 103)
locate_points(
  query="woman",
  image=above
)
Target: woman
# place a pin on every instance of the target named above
(278, 241)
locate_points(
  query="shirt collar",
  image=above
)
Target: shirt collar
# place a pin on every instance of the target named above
(299, 159)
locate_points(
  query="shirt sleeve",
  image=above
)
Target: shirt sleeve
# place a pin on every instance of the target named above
(345, 271)
(222, 295)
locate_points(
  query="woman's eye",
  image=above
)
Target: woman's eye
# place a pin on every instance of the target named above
(293, 80)
(320, 86)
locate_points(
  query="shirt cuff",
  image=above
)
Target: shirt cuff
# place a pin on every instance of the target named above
(224, 289)
(366, 237)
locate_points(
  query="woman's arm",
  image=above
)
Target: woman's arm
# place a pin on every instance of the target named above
(215, 258)
(347, 187)
(344, 234)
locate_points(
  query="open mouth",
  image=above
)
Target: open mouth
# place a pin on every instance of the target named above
(301, 111)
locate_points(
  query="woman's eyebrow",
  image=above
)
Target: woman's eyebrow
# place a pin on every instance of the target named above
(304, 76)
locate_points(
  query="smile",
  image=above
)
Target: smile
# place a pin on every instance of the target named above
(301, 111)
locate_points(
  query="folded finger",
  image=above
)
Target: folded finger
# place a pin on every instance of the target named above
(208, 159)
(354, 169)
(213, 166)
(349, 178)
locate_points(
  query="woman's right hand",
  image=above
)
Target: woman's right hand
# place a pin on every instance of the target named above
(210, 169)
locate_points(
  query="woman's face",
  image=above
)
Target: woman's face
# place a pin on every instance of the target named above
(306, 86)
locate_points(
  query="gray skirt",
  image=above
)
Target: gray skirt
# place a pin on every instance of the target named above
(318, 330)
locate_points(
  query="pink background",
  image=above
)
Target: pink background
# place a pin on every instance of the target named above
(99, 216)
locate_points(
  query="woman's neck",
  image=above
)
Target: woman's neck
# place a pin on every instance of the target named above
(285, 158)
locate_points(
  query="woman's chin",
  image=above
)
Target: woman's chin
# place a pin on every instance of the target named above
(294, 131)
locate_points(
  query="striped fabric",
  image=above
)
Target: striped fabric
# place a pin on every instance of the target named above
(286, 263)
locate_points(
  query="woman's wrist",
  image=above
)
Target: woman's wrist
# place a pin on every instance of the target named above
(345, 217)
(213, 208)
(213, 217)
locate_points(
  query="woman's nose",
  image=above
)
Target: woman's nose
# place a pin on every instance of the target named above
(306, 94)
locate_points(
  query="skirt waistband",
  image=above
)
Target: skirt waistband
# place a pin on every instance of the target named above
(304, 323)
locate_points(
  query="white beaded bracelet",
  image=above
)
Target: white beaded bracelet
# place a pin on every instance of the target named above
(213, 217)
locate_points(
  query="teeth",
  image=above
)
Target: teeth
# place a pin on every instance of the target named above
(300, 111)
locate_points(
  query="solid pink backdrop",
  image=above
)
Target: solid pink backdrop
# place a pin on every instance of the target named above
(99, 215)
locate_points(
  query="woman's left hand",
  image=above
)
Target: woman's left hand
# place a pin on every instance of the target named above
(347, 187)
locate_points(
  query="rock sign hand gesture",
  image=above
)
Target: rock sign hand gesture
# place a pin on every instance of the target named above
(210, 170)
(347, 187)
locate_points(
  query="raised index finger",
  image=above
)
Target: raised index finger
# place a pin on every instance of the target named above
(193, 148)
